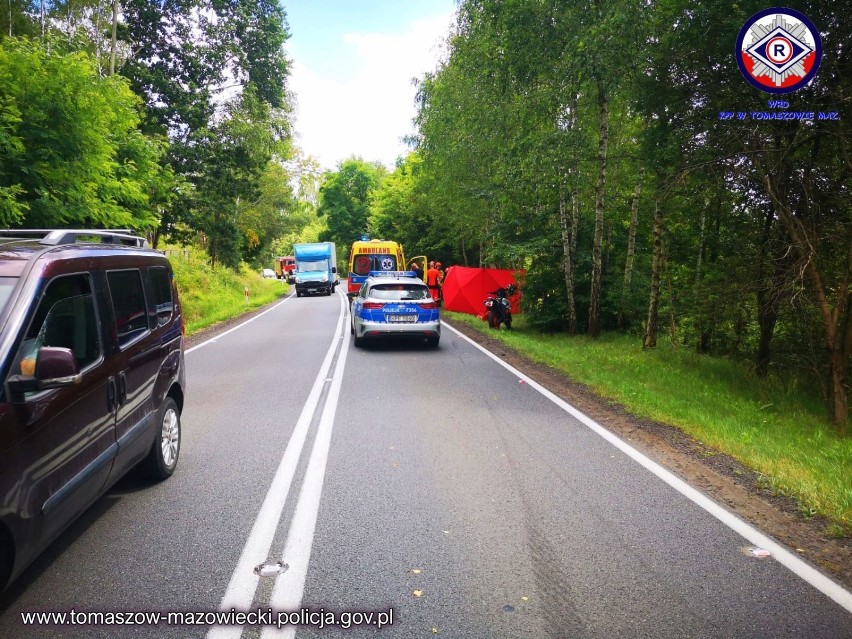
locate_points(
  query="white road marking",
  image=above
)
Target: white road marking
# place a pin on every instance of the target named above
(818, 580)
(243, 584)
(290, 586)
(238, 326)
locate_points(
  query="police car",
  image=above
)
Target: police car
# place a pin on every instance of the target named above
(394, 304)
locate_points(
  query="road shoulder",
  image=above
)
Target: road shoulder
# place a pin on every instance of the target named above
(719, 476)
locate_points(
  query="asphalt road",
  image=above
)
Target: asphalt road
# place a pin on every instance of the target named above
(433, 485)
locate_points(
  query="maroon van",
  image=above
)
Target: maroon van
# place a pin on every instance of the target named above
(91, 349)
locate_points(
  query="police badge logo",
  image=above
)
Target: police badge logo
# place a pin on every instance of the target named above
(779, 50)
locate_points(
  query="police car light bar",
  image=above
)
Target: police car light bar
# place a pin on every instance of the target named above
(392, 274)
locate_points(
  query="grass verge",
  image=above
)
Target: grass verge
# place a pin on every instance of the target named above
(776, 430)
(212, 295)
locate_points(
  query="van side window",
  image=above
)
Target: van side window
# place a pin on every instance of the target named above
(128, 302)
(66, 318)
(162, 292)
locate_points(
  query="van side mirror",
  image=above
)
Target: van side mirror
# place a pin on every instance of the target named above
(334, 269)
(55, 367)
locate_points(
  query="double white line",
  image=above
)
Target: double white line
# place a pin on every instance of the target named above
(290, 585)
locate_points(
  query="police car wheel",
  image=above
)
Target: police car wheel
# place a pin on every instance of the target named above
(358, 341)
(433, 341)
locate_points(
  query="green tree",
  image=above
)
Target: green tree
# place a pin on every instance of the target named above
(74, 152)
(75, 25)
(231, 159)
(516, 143)
(398, 211)
(213, 77)
(12, 148)
(795, 175)
(344, 200)
(17, 19)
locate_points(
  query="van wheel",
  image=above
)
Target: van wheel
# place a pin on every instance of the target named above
(163, 456)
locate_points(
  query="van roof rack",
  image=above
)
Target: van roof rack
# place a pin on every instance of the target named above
(55, 237)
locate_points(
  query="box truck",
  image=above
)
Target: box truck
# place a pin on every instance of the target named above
(316, 268)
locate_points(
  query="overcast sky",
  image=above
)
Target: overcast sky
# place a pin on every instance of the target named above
(352, 65)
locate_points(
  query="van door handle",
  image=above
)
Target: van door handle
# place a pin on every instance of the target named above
(111, 393)
(122, 388)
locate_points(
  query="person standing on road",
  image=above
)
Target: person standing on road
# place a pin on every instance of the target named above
(414, 266)
(432, 276)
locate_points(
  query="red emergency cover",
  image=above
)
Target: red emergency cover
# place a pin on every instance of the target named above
(465, 288)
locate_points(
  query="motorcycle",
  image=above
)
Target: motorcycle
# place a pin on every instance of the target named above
(498, 308)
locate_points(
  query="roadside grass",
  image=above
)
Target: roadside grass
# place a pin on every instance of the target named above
(768, 425)
(211, 295)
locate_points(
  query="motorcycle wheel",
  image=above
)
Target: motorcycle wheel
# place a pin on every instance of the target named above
(494, 320)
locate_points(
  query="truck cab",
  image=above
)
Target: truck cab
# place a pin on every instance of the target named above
(285, 268)
(316, 268)
(288, 268)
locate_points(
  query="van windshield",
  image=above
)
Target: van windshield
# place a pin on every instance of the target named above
(318, 265)
(363, 264)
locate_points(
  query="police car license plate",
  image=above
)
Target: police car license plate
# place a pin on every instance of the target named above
(401, 318)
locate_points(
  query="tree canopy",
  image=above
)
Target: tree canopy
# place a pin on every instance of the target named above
(344, 200)
(72, 150)
(161, 116)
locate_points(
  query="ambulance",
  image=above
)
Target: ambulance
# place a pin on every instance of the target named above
(373, 255)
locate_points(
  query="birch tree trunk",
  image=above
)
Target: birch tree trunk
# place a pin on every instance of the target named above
(575, 224)
(767, 307)
(568, 261)
(114, 30)
(672, 322)
(701, 242)
(650, 338)
(631, 248)
(595, 297)
(99, 41)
